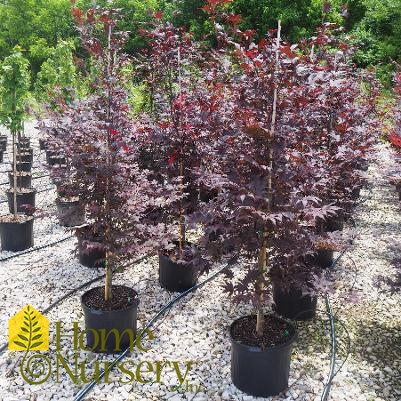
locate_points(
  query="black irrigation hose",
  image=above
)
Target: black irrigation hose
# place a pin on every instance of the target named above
(163, 310)
(327, 386)
(35, 248)
(332, 373)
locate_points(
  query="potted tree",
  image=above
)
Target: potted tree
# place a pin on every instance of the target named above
(16, 228)
(103, 149)
(168, 69)
(265, 213)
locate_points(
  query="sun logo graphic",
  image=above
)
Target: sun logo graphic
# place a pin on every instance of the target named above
(28, 330)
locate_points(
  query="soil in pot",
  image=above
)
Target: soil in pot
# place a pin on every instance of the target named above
(260, 366)
(16, 234)
(177, 277)
(71, 212)
(24, 179)
(291, 303)
(23, 166)
(25, 200)
(115, 321)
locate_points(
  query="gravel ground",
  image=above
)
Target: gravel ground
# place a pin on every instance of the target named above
(196, 328)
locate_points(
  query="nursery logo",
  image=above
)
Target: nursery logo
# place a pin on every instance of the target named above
(28, 330)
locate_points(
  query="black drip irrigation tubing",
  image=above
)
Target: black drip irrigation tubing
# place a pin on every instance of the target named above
(332, 373)
(36, 248)
(163, 310)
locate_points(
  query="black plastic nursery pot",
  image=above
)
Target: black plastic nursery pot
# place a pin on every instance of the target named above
(23, 146)
(177, 277)
(70, 212)
(23, 166)
(26, 157)
(42, 144)
(261, 372)
(24, 142)
(53, 153)
(323, 258)
(362, 164)
(89, 257)
(291, 303)
(398, 189)
(57, 160)
(3, 142)
(355, 193)
(24, 179)
(16, 235)
(110, 328)
(25, 200)
(335, 223)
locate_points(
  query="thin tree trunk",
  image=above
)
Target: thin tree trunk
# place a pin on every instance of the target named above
(262, 258)
(182, 238)
(15, 176)
(109, 256)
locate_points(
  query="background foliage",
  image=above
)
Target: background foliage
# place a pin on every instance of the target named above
(37, 26)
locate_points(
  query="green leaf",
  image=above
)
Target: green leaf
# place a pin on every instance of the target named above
(35, 324)
(35, 330)
(36, 344)
(24, 330)
(22, 337)
(20, 344)
(36, 337)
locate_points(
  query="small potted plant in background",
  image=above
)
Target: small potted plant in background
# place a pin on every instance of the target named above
(56, 128)
(169, 71)
(16, 228)
(119, 196)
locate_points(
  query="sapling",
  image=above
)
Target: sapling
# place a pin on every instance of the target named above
(14, 89)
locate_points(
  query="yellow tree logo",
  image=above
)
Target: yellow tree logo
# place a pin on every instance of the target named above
(28, 330)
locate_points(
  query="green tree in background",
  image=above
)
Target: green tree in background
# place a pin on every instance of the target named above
(35, 25)
(134, 14)
(57, 74)
(14, 90)
(378, 35)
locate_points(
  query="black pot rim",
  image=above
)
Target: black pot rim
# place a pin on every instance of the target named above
(135, 304)
(19, 214)
(68, 202)
(252, 348)
(31, 191)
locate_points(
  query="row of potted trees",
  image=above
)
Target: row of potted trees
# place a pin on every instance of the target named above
(16, 228)
(260, 144)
